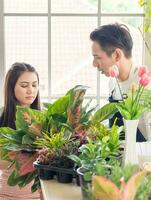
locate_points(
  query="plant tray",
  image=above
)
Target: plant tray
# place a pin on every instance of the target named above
(47, 172)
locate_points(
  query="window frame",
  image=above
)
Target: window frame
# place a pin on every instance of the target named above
(99, 16)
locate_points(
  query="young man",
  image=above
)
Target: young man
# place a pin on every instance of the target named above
(112, 45)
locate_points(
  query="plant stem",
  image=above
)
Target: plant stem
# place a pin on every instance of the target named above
(139, 96)
(136, 98)
(119, 88)
(132, 98)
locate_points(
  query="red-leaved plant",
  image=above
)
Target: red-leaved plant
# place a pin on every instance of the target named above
(103, 188)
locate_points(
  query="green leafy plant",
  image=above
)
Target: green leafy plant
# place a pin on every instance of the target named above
(58, 146)
(104, 113)
(58, 131)
(103, 146)
(109, 138)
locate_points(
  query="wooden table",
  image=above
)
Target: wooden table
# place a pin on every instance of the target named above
(52, 190)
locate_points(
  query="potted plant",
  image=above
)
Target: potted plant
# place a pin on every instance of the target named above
(131, 108)
(55, 149)
(126, 183)
(17, 146)
(102, 148)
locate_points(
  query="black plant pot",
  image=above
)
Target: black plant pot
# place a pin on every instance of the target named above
(64, 177)
(85, 185)
(44, 172)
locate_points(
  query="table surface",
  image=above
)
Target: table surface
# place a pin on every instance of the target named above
(52, 190)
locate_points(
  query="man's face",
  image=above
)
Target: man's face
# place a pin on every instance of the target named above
(101, 60)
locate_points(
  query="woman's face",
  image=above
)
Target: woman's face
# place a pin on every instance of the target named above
(26, 89)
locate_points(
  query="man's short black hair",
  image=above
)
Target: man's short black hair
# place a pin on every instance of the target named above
(113, 36)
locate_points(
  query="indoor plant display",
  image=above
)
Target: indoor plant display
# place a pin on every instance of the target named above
(66, 119)
(67, 131)
(75, 127)
(31, 125)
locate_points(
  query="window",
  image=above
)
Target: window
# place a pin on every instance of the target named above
(53, 36)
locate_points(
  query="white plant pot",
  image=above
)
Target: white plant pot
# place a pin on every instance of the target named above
(130, 151)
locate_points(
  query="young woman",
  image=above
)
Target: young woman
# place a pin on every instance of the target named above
(21, 88)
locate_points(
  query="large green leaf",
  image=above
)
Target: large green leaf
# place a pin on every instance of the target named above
(125, 113)
(10, 134)
(59, 106)
(105, 112)
(17, 147)
(27, 139)
(26, 179)
(36, 184)
(47, 105)
(12, 179)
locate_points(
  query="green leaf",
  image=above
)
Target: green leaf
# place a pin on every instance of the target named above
(47, 105)
(59, 106)
(12, 179)
(10, 134)
(4, 154)
(124, 112)
(105, 112)
(36, 184)
(59, 118)
(26, 179)
(87, 176)
(105, 139)
(27, 139)
(76, 159)
(17, 147)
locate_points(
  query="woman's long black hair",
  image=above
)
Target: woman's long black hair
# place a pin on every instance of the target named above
(7, 118)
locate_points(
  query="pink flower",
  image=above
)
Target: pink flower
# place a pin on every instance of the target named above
(149, 74)
(142, 70)
(144, 81)
(114, 72)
